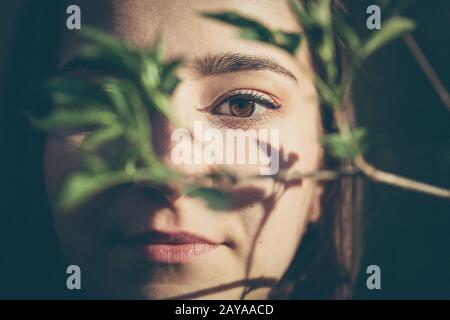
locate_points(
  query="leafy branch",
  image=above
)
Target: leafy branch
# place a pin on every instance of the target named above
(131, 85)
(320, 29)
(428, 70)
(113, 107)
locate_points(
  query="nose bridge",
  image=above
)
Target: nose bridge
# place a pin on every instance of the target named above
(161, 136)
(162, 130)
(168, 138)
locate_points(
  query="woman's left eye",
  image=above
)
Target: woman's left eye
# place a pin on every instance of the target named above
(244, 104)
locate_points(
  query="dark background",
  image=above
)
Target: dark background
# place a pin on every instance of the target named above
(407, 234)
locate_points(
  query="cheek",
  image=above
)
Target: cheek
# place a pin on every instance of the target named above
(300, 149)
(78, 231)
(278, 231)
(60, 159)
(300, 133)
(287, 220)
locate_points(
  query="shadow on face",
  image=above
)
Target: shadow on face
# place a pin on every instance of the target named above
(180, 247)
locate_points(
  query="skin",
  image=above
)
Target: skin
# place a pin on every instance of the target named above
(109, 270)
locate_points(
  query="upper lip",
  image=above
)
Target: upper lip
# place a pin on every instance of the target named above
(171, 238)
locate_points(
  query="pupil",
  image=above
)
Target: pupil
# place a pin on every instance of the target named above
(242, 107)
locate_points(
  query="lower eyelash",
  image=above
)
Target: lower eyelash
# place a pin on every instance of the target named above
(230, 122)
(225, 121)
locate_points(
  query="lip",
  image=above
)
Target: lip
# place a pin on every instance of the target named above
(162, 247)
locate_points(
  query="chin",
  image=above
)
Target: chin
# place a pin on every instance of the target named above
(188, 292)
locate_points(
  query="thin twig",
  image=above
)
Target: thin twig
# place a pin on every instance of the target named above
(386, 177)
(426, 67)
(320, 175)
(254, 283)
(395, 180)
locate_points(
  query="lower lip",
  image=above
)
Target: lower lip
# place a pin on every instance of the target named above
(176, 253)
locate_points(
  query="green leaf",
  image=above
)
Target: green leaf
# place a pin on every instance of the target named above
(109, 45)
(117, 91)
(81, 187)
(390, 30)
(158, 174)
(253, 30)
(104, 39)
(298, 9)
(215, 199)
(73, 92)
(169, 78)
(159, 49)
(130, 82)
(161, 103)
(102, 136)
(289, 41)
(95, 58)
(104, 52)
(149, 75)
(315, 19)
(347, 33)
(345, 146)
(70, 119)
(326, 93)
(94, 163)
(241, 21)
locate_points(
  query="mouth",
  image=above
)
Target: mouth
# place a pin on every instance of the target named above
(170, 248)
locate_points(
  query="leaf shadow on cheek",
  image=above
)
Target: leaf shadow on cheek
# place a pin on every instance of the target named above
(245, 197)
(94, 214)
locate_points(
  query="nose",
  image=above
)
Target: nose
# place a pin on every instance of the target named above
(162, 129)
(161, 136)
(163, 144)
(159, 192)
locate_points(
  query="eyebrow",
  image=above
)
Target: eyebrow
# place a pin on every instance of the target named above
(212, 65)
(237, 62)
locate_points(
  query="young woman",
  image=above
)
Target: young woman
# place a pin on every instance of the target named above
(140, 241)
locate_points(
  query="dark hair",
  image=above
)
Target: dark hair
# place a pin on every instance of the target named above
(327, 261)
(34, 267)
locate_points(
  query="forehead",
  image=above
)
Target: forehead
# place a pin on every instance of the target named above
(184, 31)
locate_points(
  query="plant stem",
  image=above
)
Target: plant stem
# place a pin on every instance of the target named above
(385, 177)
(426, 67)
(395, 180)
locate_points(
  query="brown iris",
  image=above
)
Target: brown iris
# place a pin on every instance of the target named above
(240, 107)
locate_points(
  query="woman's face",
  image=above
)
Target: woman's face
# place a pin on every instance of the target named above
(137, 242)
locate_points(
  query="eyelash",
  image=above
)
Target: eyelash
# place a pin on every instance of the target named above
(230, 121)
(255, 96)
